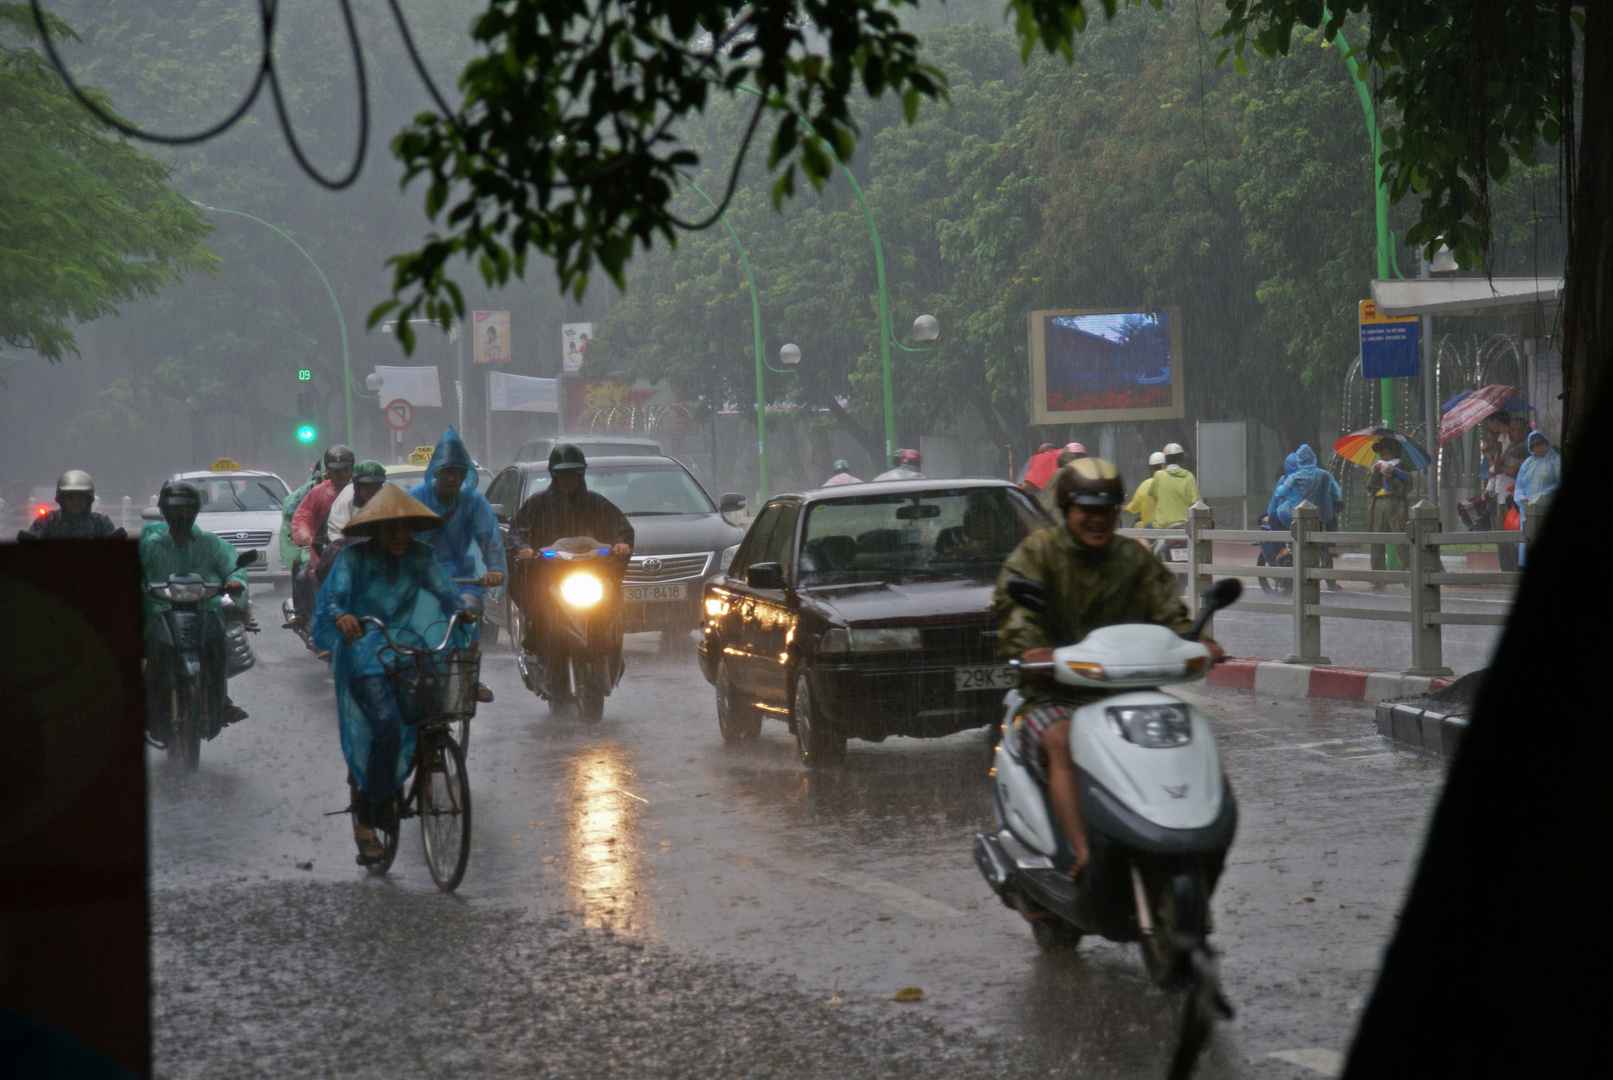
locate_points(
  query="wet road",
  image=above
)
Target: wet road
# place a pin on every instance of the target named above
(642, 901)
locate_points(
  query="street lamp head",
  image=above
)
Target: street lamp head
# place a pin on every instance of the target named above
(925, 328)
(1443, 262)
(790, 354)
(373, 382)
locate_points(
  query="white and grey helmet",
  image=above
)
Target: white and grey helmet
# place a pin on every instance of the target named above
(75, 482)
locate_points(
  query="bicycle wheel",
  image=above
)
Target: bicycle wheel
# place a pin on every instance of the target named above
(444, 809)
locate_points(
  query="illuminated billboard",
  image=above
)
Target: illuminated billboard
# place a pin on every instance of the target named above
(1100, 366)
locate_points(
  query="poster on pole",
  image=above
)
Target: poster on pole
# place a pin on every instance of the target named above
(492, 337)
(1100, 366)
(416, 385)
(521, 393)
(574, 337)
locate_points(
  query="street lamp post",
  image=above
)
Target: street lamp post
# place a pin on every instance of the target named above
(1386, 260)
(347, 368)
(761, 357)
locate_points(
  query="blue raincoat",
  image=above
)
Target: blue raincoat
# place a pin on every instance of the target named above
(1274, 507)
(414, 597)
(1305, 481)
(468, 522)
(1536, 476)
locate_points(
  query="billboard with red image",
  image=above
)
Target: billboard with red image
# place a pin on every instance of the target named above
(1098, 366)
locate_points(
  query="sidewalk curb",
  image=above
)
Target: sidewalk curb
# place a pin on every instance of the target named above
(1437, 732)
(1337, 683)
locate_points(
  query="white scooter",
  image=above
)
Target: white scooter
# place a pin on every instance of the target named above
(1159, 812)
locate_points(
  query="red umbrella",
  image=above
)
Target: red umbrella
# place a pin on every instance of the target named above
(1041, 467)
(1473, 408)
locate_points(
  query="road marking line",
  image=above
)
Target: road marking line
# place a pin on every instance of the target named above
(1316, 1058)
(915, 904)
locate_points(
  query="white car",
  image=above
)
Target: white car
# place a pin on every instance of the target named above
(243, 507)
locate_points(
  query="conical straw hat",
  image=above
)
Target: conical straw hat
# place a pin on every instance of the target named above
(391, 503)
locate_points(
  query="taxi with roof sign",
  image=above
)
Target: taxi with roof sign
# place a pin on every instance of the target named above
(241, 506)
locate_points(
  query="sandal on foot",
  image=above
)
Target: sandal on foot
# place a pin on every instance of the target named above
(370, 851)
(484, 693)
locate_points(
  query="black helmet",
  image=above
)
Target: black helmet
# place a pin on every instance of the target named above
(1088, 481)
(567, 458)
(179, 498)
(340, 455)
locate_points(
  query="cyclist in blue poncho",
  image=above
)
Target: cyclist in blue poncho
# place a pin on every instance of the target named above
(397, 579)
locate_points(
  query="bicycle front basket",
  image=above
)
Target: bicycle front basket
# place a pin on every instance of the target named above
(437, 688)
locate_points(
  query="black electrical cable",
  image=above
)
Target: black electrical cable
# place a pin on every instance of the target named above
(363, 106)
(733, 177)
(266, 74)
(113, 121)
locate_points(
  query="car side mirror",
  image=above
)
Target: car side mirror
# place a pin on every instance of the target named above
(732, 502)
(765, 575)
(498, 510)
(1028, 594)
(150, 513)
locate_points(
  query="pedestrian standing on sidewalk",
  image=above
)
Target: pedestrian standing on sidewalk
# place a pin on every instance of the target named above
(1538, 478)
(1387, 488)
(1512, 435)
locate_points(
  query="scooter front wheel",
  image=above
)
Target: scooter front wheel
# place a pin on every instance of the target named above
(1054, 935)
(1178, 909)
(590, 690)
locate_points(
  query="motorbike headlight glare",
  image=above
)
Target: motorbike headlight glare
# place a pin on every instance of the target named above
(582, 590)
(885, 639)
(1151, 726)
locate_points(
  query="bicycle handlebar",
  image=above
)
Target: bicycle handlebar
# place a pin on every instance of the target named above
(453, 621)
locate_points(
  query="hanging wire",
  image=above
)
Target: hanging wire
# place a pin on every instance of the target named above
(267, 74)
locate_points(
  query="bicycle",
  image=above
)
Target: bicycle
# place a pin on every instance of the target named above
(435, 689)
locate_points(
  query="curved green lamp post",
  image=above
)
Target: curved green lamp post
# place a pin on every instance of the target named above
(756, 333)
(347, 368)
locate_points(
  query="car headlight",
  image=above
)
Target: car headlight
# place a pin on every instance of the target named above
(835, 641)
(581, 590)
(726, 559)
(885, 639)
(1152, 726)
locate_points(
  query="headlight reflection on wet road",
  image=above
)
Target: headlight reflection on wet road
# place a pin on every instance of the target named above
(602, 856)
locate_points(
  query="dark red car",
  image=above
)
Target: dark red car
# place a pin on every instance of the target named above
(864, 611)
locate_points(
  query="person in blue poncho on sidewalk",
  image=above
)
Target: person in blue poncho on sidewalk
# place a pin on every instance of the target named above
(468, 525)
(1305, 481)
(398, 579)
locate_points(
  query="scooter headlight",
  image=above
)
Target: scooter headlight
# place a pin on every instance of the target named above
(582, 590)
(1152, 726)
(187, 592)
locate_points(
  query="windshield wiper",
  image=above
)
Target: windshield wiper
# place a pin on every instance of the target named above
(269, 491)
(236, 497)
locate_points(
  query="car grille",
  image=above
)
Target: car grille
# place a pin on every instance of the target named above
(251, 538)
(650, 569)
(962, 642)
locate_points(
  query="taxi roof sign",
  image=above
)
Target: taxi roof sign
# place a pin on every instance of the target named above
(421, 455)
(224, 464)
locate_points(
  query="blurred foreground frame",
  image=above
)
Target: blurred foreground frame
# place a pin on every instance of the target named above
(74, 925)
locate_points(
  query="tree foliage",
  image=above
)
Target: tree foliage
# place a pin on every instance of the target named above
(87, 222)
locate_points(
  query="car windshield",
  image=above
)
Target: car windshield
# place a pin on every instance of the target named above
(640, 490)
(233, 494)
(964, 532)
(409, 476)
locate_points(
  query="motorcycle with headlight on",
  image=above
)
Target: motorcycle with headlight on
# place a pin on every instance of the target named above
(1158, 810)
(574, 588)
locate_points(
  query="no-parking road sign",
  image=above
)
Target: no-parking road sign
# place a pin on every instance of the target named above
(399, 414)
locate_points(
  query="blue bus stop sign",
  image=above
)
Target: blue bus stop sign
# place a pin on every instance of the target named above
(1390, 345)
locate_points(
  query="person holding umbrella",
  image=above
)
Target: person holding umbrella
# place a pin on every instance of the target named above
(1388, 486)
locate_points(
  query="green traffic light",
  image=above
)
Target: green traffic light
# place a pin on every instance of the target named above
(305, 433)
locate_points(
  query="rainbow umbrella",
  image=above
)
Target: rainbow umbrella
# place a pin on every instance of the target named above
(1357, 448)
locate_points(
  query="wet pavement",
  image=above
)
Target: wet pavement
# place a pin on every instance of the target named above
(643, 901)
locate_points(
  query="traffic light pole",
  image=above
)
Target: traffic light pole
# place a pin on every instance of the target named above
(347, 367)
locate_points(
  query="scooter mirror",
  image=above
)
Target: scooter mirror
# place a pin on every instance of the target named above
(1028, 594)
(1223, 594)
(246, 558)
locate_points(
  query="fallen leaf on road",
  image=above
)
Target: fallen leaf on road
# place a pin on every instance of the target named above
(309, 865)
(834, 996)
(909, 993)
(1304, 900)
